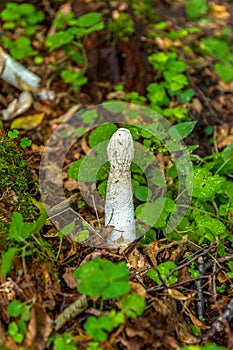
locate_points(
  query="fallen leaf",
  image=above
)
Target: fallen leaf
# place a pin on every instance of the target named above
(39, 328)
(196, 322)
(69, 277)
(220, 11)
(222, 277)
(138, 288)
(176, 294)
(28, 122)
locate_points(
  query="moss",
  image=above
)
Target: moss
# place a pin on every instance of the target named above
(18, 185)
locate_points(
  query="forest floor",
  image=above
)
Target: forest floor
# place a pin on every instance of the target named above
(46, 278)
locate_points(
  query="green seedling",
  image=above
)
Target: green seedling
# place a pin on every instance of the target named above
(21, 234)
(159, 273)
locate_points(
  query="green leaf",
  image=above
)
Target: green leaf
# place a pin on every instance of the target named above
(216, 48)
(152, 213)
(142, 193)
(59, 39)
(205, 184)
(115, 107)
(13, 134)
(133, 305)
(7, 258)
(186, 95)
(227, 153)
(196, 8)
(66, 230)
(15, 308)
(101, 133)
(215, 226)
(80, 131)
(182, 130)
(81, 236)
(25, 142)
(89, 19)
(75, 78)
(89, 116)
(225, 71)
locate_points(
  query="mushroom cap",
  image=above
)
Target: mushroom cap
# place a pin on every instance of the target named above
(120, 148)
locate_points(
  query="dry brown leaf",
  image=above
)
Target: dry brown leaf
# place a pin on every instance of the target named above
(222, 277)
(71, 184)
(196, 322)
(220, 11)
(69, 277)
(39, 328)
(138, 288)
(153, 250)
(137, 261)
(176, 294)
(196, 105)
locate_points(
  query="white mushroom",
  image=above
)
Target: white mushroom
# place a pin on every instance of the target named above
(119, 208)
(17, 75)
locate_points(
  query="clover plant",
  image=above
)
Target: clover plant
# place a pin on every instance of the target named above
(103, 279)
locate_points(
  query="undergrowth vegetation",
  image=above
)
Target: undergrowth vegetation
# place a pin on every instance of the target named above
(120, 292)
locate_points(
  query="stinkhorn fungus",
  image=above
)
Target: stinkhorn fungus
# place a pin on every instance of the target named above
(119, 208)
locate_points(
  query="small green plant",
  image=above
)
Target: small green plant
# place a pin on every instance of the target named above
(173, 85)
(159, 273)
(26, 17)
(17, 329)
(20, 238)
(193, 271)
(102, 278)
(70, 38)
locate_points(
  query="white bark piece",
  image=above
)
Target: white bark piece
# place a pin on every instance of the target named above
(119, 208)
(20, 77)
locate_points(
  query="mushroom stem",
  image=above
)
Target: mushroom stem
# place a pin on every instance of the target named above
(119, 208)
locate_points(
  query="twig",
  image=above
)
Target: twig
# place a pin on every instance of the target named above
(200, 301)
